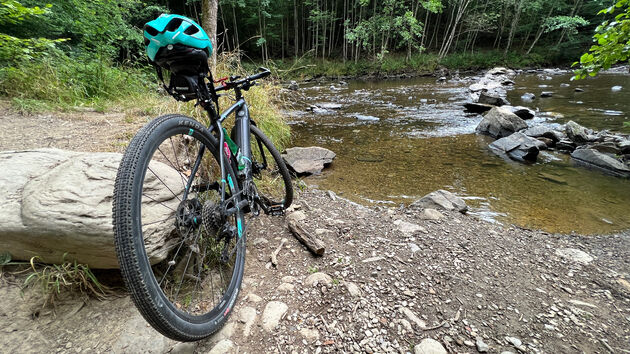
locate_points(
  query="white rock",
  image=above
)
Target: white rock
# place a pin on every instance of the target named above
(136, 337)
(582, 303)
(353, 289)
(431, 214)
(223, 347)
(247, 315)
(286, 287)
(297, 216)
(319, 278)
(408, 228)
(310, 335)
(429, 346)
(574, 255)
(442, 199)
(288, 279)
(413, 318)
(58, 205)
(254, 298)
(273, 313)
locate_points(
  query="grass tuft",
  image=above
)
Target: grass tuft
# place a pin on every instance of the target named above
(53, 279)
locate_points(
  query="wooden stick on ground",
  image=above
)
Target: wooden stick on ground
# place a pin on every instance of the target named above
(314, 244)
(274, 254)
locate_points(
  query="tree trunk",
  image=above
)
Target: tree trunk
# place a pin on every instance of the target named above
(209, 9)
(295, 28)
(517, 16)
(540, 31)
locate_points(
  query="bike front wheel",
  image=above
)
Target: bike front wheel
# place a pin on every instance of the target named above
(179, 238)
(271, 174)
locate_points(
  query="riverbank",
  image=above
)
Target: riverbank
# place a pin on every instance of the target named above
(389, 280)
(395, 64)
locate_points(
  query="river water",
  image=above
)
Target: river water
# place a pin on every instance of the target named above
(397, 140)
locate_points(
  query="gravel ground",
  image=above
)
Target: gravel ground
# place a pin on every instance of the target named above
(389, 281)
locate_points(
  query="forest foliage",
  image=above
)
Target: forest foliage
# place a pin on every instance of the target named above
(72, 52)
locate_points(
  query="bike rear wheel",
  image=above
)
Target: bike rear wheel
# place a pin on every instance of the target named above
(181, 253)
(271, 175)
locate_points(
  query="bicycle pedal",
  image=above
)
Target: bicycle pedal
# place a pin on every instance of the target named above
(276, 210)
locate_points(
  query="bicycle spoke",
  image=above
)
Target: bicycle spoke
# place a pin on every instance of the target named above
(165, 185)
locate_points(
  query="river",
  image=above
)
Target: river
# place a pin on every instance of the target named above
(399, 139)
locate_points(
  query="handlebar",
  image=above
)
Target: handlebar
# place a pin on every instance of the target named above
(246, 83)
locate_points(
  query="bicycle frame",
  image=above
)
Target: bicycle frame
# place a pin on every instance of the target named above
(242, 138)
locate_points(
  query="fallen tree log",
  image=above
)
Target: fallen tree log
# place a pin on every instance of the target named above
(311, 242)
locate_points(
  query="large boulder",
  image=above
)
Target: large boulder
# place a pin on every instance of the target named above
(577, 133)
(500, 122)
(441, 199)
(594, 159)
(57, 205)
(308, 160)
(518, 146)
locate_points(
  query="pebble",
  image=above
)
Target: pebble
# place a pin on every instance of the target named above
(318, 278)
(310, 334)
(514, 341)
(286, 287)
(481, 346)
(413, 318)
(429, 346)
(353, 289)
(254, 298)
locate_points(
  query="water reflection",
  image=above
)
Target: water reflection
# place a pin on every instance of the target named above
(423, 141)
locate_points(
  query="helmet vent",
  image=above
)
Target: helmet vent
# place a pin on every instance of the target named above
(191, 30)
(173, 24)
(150, 30)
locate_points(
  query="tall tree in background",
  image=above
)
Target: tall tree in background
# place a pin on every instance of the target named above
(209, 10)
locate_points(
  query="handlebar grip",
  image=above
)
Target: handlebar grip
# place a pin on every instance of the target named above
(264, 73)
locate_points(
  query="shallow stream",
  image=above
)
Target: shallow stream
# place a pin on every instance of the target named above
(397, 140)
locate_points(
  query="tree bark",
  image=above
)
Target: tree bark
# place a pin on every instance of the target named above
(209, 9)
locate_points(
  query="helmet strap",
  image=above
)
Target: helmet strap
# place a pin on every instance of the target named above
(158, 70)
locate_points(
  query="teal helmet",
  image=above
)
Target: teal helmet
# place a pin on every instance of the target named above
(174, 30)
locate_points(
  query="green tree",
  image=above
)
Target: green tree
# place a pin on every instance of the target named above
(14, 49)
(612, 39)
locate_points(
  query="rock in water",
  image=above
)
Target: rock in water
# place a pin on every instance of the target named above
(494, 99)
(546, 94)
(57, 204)
(477, 107)
(518, 146)
(522, 112)
(293, 85)
(595, 159)
(616, 88)
(500, 122)
(576, 132)
(528, 97)
(441, 199)
(308, 160)
(538, 131)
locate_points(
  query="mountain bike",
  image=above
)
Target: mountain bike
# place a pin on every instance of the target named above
(180, 199)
